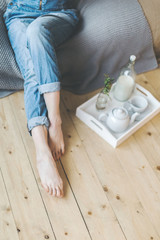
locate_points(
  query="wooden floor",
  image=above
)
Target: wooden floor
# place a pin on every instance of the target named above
(110, 194)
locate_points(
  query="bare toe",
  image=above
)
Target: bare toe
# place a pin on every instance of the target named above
(58, 192)
(59, 154)
(61, 189)
(49, 174)
(54, 193)
(56, 141)
(45, 187)
(62, 149)
(62, 193)
(50, 190)
(54, 154)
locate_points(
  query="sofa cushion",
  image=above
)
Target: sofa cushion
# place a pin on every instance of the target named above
(10, 76)
(110, 31)
(107, 34)
(151, 10)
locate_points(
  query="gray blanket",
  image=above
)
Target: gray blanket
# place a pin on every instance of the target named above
(108, 33)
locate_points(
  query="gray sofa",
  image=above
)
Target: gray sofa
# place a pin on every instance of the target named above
(107, 34)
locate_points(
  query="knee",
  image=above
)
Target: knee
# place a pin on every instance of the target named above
(35, 32)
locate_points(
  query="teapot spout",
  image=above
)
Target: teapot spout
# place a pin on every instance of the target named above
(133, 117)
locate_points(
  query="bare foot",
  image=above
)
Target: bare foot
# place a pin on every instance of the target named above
(48, 172)
(55, 141)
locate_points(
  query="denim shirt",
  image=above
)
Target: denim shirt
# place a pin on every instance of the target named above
(43, 4)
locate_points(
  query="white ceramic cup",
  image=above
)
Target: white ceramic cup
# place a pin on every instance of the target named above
(138, 103)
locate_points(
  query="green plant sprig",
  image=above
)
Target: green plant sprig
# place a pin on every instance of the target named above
(108, 81)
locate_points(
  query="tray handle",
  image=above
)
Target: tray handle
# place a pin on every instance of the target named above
(95, 125)
(145, 92)
(103, 129)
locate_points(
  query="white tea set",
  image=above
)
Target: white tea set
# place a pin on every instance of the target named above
(119, 119)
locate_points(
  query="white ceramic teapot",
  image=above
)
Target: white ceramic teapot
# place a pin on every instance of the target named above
(118, 119)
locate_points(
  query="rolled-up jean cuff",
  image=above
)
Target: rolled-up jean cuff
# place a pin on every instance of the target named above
(40, 120)
(49, 87)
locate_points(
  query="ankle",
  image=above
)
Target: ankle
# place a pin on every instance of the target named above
(55, 121)
(39, 132)
(43, 153)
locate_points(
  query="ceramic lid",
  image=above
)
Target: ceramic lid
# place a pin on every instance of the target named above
(120, 113)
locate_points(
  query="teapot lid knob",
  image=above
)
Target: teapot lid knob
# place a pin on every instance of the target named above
(120, 113)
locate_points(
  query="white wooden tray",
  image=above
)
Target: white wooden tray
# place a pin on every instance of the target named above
(88, 113)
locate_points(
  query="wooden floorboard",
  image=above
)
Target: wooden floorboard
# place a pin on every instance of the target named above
(95, 207)
(23, 194)
(8, 228)
(122, 197)
(110, 194)
(112, 175)
(80, 183)
(62, 213)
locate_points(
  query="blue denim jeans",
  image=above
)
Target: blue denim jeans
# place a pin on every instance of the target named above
(34, 35)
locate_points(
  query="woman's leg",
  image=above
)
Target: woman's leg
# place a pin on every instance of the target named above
(46, 165)
(56, 142)
(36, 111)
(40, 71)
(49, 32)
